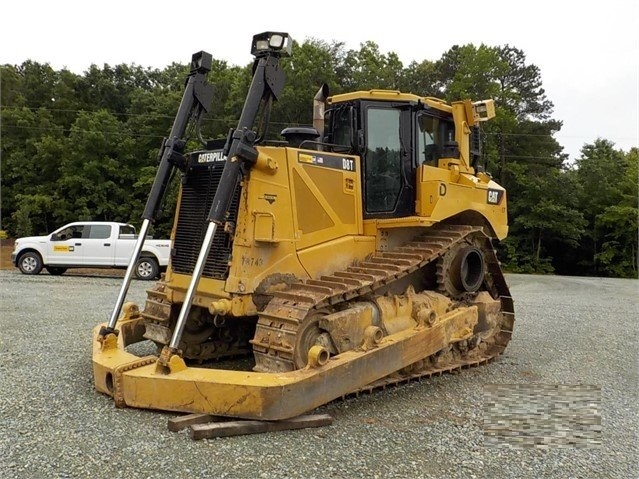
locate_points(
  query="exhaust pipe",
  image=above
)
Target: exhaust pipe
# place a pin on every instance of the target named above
(319, 106)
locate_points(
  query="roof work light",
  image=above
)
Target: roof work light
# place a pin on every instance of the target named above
(273, 43)
(201, 62)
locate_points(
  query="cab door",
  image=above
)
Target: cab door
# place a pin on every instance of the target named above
(389, 166)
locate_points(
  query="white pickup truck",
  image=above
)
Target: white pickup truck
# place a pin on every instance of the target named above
(90, 244)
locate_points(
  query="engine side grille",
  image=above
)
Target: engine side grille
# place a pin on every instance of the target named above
(198, 189)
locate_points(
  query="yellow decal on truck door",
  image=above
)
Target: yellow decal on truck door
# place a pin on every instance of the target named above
(62, 249)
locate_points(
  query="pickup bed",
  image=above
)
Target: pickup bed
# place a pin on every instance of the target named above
(90, 244)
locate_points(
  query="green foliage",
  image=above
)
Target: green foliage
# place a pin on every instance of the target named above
(27, 137)
(544, 217)
(420, 79)
(85, 146)
(609, 180)
(302, 82)
(10, 87)
(32, 208)
(97, 174)
(469, 72)
(368, 68)
(618, 252)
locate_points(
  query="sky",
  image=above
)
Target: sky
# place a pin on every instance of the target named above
(587, 51)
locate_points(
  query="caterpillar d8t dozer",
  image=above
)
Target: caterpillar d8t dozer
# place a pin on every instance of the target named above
(354, 254)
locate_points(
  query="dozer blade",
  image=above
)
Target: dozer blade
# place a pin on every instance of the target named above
(140, 382)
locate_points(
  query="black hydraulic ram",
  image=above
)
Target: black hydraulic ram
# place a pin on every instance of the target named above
(195, 100)
(268, 81)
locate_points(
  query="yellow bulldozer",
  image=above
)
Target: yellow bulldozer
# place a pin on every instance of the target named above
(352, 254)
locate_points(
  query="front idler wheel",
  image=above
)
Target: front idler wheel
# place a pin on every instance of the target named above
(468, 269)
(461, 271)
(308, 336)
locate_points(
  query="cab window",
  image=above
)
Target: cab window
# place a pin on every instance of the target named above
(127, 230)
(70, 232)
(100, 231)
(433, 134)
(342, 127)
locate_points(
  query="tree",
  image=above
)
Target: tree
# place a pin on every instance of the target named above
(37, 84)
(545, 220)
(609, 201)
(65, 103)
(98, 171)
(470, 72)
(225, 108)
(295, 105)
(26, 134)
(368, 68)
(519, 148)
(10, 87)
(420, 78)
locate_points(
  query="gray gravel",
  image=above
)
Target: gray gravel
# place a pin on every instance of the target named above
(568, 331)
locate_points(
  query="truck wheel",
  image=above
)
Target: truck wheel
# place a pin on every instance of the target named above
(30, 263)
(147, 268)
(55, 270)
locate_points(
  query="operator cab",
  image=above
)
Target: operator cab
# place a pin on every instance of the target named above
(392, 138)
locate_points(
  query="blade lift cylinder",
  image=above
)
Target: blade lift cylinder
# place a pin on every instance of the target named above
(196, 99)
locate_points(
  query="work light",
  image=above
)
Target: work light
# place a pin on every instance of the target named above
(201, 62)
(274, 43)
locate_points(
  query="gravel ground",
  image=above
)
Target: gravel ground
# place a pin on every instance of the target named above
(569, 331)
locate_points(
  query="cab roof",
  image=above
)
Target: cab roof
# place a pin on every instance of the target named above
(391, 95)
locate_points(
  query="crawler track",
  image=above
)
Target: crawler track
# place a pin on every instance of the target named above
(290, 314)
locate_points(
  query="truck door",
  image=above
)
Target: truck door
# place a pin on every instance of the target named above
(99, 245)
(65, 246)
(125, 245)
